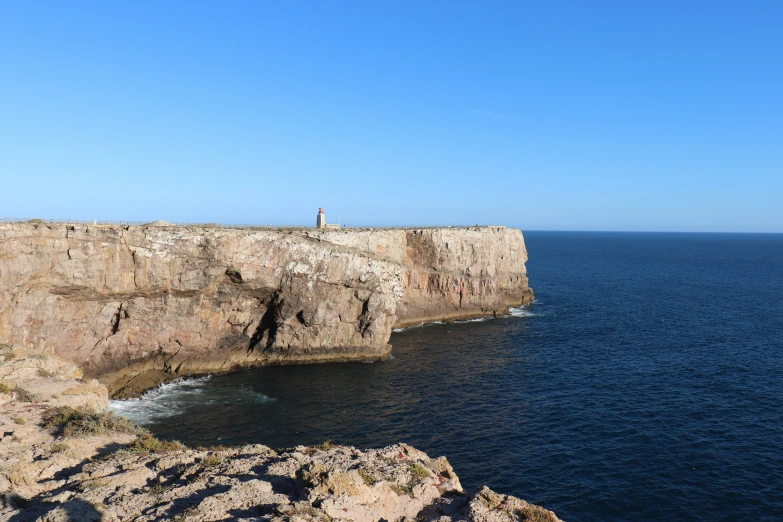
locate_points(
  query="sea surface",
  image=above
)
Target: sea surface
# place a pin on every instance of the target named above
(645, 383)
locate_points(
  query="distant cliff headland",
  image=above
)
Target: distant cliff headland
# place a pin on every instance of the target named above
(135, 305)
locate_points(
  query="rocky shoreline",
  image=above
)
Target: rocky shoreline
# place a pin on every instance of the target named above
(63, 457)
(136, 305)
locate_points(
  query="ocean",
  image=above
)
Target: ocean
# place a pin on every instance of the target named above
(645, 383)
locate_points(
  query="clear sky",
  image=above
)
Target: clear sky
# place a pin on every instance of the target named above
(627, 115)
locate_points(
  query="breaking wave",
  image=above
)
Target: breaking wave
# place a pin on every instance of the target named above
(521, 311)
(173, 398)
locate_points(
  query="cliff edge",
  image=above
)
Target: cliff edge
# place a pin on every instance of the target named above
(134, 305)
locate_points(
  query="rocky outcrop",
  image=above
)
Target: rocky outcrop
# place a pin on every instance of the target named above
(46, 476)
(31, 458)
(133, 305)
(255, 483)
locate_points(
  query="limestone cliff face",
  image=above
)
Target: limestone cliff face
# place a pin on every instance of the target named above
(179, 300)
(449, 273)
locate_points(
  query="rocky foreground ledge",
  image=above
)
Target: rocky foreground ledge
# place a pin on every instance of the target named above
(63, 457)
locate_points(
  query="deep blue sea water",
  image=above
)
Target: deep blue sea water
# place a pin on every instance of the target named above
(645, 383)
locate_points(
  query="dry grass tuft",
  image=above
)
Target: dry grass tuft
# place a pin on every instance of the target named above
(81, 422)
(59, 447)
(146, 443)
(318, 447)
(23, 395)
(211, 461)
(368, 479)
(45, 373)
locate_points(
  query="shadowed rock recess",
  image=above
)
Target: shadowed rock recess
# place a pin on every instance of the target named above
(136, 305)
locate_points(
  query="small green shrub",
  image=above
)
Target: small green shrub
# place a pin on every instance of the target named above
(45, 373)
(95, 484)
(23, 395)
(4, 388)
(18, 420)
(318, 447)
(158, 488)
(399, 489)
(80, 422)
(147, 443)
(368, 479)
(418, 471)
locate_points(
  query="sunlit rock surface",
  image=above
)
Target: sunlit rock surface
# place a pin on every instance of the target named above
(135, 305)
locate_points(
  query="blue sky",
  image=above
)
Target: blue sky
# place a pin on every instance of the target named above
(660, 115)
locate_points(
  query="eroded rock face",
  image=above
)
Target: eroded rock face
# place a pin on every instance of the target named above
(127, 302)
(448, 273)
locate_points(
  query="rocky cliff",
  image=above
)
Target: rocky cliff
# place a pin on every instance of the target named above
(133, 305)
(448, 273)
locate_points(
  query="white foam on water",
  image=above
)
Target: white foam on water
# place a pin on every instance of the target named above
(514, 312)
(398, 330)
(171, 398)
(522, 311)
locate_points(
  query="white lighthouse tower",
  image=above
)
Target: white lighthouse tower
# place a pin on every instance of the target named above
(320, 221)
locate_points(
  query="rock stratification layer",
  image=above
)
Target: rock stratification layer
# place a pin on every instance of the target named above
(125, 302)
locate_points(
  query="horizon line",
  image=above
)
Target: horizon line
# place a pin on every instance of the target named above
(88, 222)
